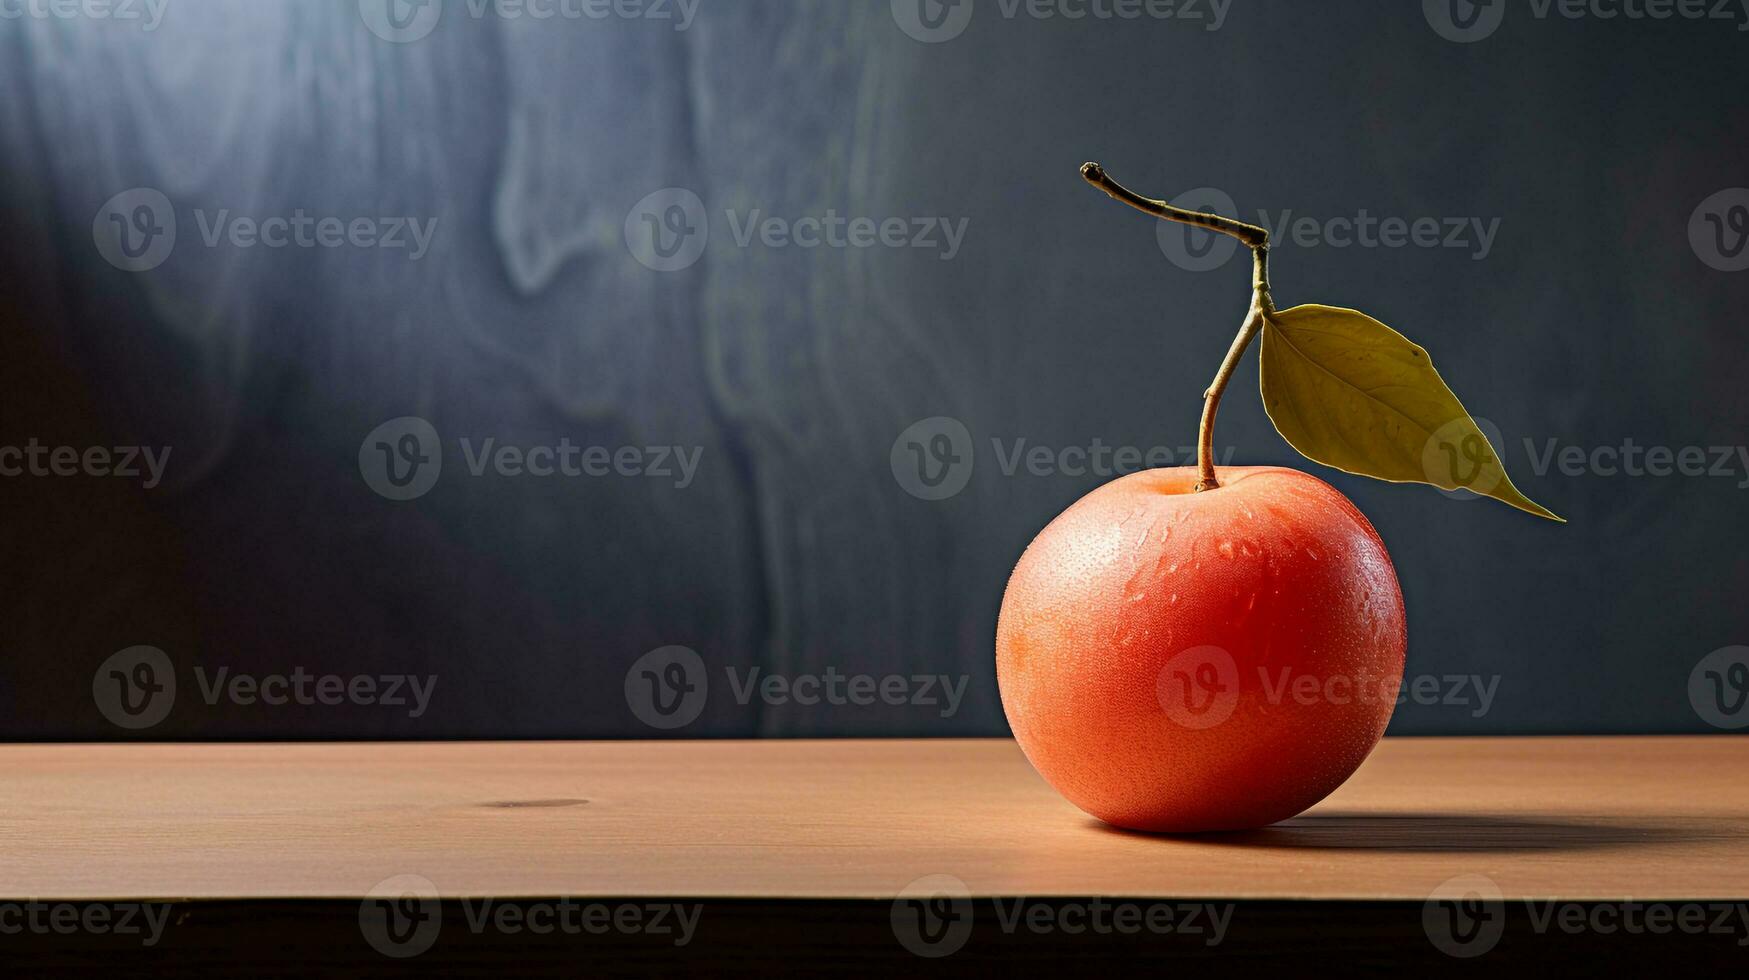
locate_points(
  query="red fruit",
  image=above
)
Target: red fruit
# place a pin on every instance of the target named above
(1178, 661)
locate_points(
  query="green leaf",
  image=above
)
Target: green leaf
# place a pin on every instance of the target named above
(1347, 391)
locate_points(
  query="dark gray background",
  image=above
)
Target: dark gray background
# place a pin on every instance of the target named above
(1592, 320)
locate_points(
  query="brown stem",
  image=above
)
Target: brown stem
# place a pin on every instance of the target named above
(1254, 237)
(1251, 235)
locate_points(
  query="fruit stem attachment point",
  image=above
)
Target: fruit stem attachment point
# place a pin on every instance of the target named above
(1255, 238)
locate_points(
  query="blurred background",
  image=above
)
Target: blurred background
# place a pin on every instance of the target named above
(571, 369)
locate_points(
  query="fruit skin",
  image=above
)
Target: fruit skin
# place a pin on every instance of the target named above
(1274, 567)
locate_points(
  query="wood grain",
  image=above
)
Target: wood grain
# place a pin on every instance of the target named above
(1583, 819)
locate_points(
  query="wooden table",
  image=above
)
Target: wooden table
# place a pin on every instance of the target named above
(804, 846)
